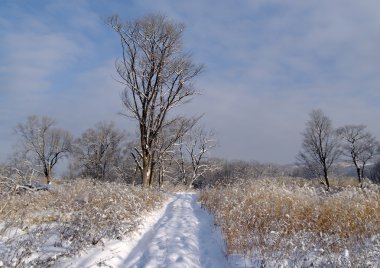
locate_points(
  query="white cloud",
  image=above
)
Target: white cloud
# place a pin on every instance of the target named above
(32, 58)
(94, 97)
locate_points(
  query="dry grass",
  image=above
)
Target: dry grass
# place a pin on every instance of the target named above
(72, 216)
(289, 218)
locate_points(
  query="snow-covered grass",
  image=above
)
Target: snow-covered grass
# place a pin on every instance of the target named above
(37, 228)
(294, 222)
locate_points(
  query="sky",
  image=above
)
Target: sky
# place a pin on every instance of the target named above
(268, 64)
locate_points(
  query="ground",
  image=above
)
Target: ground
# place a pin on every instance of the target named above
(181, 234)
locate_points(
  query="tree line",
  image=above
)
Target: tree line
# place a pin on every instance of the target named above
(106, 153)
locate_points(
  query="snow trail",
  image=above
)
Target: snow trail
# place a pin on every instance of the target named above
(184, 236)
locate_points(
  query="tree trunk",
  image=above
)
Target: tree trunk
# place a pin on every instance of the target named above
(146, 173)
(361, 176)
(326, 178)
(192, 180)
(48, 173)
(358, 171)
(152, 164)
(147, 170)
(161, 177)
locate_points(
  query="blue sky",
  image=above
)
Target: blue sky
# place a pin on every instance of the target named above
(268, 64)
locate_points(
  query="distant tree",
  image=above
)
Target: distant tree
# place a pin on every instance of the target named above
(238, 170)
(359, 145)
(193, 152)
(46, 143)
(97, 153)
(375, 172)
(320, 147)
(168, 139)
(157, 75)
(230, 171)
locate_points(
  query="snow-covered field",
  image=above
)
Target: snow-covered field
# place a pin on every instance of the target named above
(181, 234)
(289, 222)
(265, 223)
(39, 228)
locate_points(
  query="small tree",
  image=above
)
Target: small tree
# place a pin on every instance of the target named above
(97, 153)
(46, 143)
(157, 75)
(193, 151)
(320, 147)
(167, 140)
(359, 146)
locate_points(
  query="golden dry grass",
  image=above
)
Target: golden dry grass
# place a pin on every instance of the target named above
(281, 214)
(101, 200)
(77, 214)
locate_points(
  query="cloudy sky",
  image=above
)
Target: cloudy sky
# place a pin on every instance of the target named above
(268, 64)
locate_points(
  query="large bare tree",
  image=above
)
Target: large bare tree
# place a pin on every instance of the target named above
(157, 74)
(45, 142)
(320, 147)
(359, 145)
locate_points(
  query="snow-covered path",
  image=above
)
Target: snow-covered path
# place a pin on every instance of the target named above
(184, 236)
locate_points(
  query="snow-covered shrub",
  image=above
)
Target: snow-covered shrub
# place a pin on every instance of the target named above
(36, 228)
(294, 220)
(16, 181)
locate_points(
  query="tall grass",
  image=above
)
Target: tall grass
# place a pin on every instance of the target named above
(294, 219)
(68, 218)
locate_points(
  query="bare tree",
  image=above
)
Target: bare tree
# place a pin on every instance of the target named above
(359, 146)
(320, 147)
(46, 143)
(97, 153)
(193, 150)
(168, 138)
(157, 75)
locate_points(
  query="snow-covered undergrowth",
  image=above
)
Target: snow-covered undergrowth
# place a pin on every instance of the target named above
(37, 228)
(293, 223)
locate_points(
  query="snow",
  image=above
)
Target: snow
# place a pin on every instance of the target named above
(181, 234)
